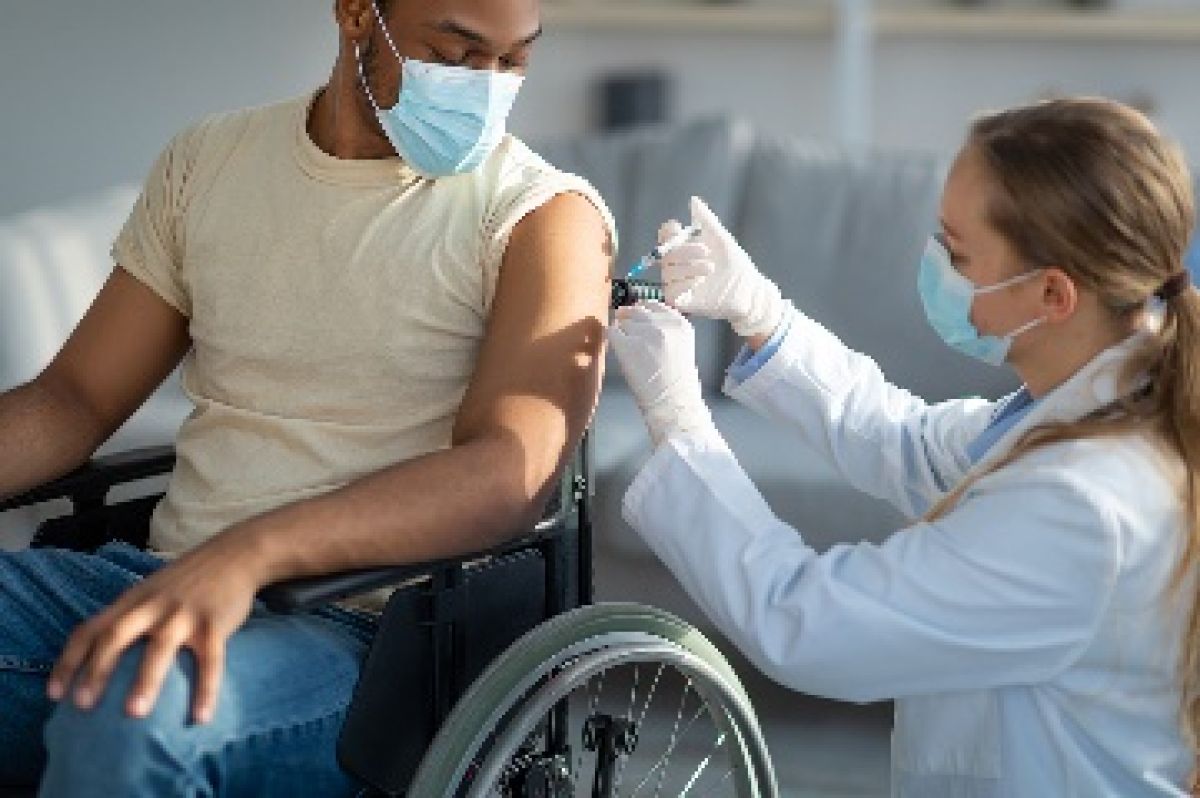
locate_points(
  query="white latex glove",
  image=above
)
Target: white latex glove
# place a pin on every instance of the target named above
(656, 349)
(713, 276)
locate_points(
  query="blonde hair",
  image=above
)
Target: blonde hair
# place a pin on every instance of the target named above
(1090, 187)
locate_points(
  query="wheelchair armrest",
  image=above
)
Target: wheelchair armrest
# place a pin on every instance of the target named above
(298, 595)
(91, 481)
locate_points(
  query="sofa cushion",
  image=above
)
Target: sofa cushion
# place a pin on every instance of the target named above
(52, 263)
(842, 236)
(647, 175)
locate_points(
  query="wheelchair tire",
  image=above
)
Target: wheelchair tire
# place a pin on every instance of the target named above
(544, 667)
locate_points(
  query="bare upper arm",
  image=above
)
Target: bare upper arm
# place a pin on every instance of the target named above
(539, 369)
(126, 344)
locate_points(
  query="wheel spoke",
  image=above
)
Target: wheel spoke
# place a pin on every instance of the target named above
(593, 701)
(650, 696)
(632, 693)
(702, 766)
(713, 791)
(676, 736)
(641, 718)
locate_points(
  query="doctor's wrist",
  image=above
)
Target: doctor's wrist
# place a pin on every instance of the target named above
(668, 421)
(766, 311)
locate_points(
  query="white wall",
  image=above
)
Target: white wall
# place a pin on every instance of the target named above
(780, 81)
(926, 87)
(90, 92)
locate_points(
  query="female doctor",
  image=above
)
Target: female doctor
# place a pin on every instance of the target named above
(1036, 623)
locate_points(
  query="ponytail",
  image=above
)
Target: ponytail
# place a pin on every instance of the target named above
(1179, 383)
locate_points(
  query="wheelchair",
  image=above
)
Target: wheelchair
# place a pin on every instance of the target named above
(495, 674)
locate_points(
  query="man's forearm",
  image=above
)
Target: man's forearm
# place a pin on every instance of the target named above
(451, 502)
(44, 433)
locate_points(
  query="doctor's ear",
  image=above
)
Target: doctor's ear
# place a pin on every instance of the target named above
(1060, 295)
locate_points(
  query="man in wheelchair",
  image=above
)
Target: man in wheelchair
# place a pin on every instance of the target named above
(390, 319)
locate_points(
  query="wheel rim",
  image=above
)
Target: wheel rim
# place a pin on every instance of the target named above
(549, 646)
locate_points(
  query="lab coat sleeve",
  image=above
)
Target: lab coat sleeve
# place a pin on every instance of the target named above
(1009, 588)
(885, 441)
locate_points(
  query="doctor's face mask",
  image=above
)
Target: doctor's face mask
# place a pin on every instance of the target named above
(947, 296)
(448, 119)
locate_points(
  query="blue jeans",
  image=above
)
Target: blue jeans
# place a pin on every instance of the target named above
(287, 682)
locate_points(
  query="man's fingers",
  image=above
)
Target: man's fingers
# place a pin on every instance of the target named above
(105, 649)
(210, 667)
(79, 644)
(161, 649)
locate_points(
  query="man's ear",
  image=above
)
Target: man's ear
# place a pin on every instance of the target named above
(1060, 295)
(355, 18)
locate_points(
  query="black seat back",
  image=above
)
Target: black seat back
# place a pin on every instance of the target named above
(434, 639)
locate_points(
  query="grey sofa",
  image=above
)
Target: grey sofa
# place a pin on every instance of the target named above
(842, 237)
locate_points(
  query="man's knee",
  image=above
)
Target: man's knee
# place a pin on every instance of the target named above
(105, 747)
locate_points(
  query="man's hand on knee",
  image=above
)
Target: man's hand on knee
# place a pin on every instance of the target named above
(196, 602)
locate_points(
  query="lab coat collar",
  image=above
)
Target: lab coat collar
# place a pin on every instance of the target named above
(1095, 385)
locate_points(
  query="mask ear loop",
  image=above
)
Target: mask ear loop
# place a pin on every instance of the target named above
(1014, 280)
(362, 78)
(362, 74)
(386, 33)
(1026, 327)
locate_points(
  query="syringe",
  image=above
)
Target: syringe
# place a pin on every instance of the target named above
(661, 251)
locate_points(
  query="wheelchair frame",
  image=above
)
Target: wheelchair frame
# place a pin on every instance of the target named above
(567, 557)
(561, 541)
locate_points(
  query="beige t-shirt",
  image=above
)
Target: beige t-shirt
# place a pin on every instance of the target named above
(336, 307)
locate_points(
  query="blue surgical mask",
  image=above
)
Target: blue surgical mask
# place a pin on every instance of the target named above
(947, 297)
(448, 119)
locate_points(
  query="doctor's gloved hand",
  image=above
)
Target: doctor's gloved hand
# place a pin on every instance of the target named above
(656, 349)
(713, 276)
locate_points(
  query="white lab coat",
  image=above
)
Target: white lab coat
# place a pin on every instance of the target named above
(1026, 635)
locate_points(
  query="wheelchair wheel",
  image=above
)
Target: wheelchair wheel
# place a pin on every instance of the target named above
(603, 701)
